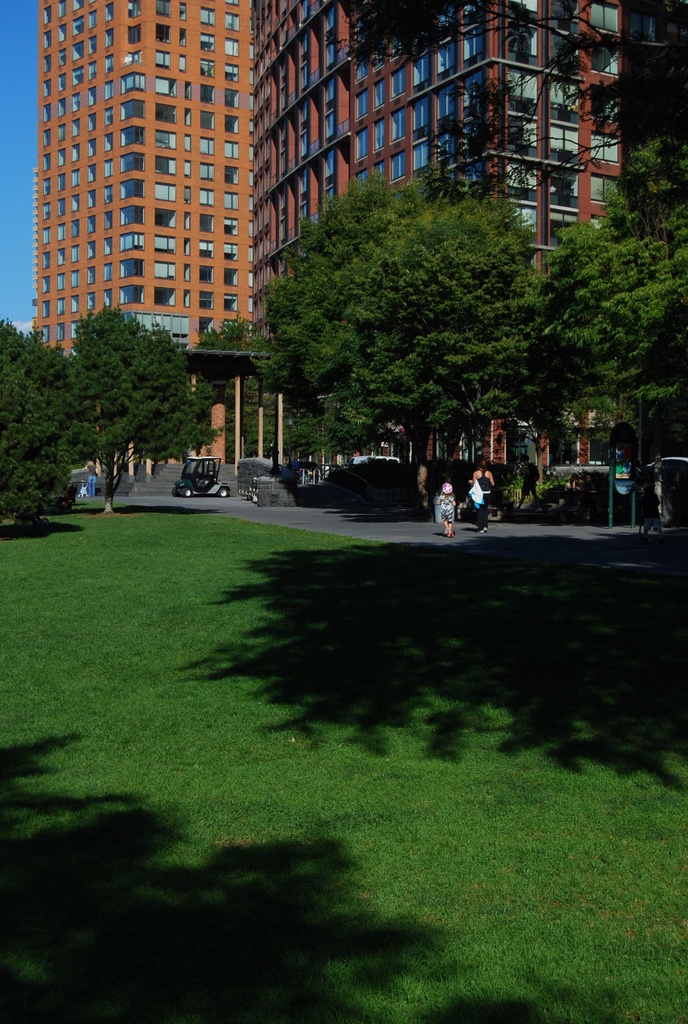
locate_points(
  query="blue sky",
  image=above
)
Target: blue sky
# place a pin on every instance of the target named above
(18, 127)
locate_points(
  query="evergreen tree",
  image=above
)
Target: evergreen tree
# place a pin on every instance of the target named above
(35, 415)
(133, 393)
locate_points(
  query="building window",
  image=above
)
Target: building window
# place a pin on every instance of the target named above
(165, 243)
(133, 82)
(166, 270)
(605, 61)
(362, 104)
(600, 187)
(379, 134)
(205, 300)
(421, 74)
(165, 218)
(165, 165)
(127, 162)
(132, 240)
(131, 268)
(398, 166)
(132, 293)
(166, 193)
(446, 60)
(362, 144)
(604, 147)
(131, 187)
(165, 140)
(398, 124)
(131, 215)
(604, 17)
(135, 135)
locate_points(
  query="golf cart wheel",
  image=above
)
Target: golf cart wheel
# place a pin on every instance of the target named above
(185, 492)
(223, 493)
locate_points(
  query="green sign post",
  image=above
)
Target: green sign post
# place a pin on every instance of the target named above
(622, 460)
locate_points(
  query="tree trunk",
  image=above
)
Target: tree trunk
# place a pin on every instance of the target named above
(419, 439)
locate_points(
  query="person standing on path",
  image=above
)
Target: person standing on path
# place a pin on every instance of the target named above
(91, 474)
(651, 514)
(447, 507)
(530, 478)
(485, 481)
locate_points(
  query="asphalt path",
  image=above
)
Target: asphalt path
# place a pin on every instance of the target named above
(325, 508)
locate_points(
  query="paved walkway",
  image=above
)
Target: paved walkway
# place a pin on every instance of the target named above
(328, 509)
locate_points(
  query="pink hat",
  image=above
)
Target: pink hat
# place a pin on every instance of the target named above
(447, 488)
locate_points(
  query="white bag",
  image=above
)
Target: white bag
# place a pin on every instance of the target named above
(476, 494)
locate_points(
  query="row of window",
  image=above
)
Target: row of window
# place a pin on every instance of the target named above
(135, 267)
(135, 241)
(131, 188)
(163, 111)
(164, 138)
(136, 135)
(135, 294)
(163, 8)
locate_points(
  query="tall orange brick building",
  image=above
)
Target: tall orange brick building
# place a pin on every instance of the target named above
(145, 163)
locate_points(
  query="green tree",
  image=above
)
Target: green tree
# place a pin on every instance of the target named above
(442, 321)
(133, 392)
(34, 417)
(232, 336)
(621, 287)
(404, 310)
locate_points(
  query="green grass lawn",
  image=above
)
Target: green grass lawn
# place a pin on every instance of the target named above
(260, 776)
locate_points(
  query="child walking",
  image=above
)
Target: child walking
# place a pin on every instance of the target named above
(447, 506)
(651, 514)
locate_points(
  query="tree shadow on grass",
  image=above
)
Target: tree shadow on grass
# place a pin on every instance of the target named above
(581, 663)
(24, 531)
(102, 922)
(98, 924)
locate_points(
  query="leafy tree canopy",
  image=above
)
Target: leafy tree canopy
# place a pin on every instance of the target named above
(232, 336)
(133, 392)
(621, 287)
(34, 417)
(401, 309)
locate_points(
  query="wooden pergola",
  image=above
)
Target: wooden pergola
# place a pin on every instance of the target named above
(220, 367)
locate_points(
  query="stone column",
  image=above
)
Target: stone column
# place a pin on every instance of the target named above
(261, 409)
(238, 403)
(280, 429)
(218, 419)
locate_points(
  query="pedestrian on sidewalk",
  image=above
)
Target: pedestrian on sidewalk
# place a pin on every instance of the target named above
(485, 481)
(447, 509)
(530, 479)
(650, 506)
(91, 474)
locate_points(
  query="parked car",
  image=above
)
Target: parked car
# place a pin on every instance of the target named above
(358, 460)
(200, 477)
